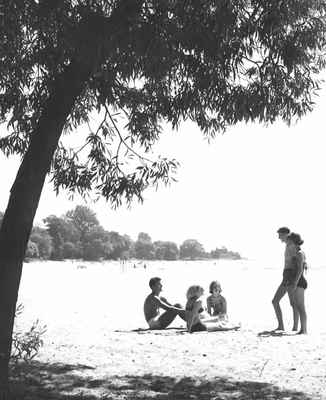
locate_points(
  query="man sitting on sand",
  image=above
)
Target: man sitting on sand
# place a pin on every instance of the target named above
(154, 302)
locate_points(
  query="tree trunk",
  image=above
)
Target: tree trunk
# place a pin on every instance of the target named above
(24, 198)
(17, 222)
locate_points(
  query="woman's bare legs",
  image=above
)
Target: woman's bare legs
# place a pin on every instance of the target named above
(300, 304)
(295, 311)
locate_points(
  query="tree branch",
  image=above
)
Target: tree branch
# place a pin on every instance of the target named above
(142, 158)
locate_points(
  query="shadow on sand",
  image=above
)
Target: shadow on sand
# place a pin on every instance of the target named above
(40, 381)
(276, 333)
(166, 331)
(178, 331)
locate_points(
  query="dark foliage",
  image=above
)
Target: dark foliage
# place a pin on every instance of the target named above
(101, 244)
(191, 249)
(216, 63)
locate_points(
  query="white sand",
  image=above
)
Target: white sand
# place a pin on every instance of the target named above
(91, 312)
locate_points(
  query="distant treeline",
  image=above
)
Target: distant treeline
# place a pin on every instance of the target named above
(79, 235)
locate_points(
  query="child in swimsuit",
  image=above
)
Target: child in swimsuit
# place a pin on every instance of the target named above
(194, 308)
(216, 303)
(197, 320)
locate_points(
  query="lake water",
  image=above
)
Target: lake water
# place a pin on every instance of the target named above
(79, 304)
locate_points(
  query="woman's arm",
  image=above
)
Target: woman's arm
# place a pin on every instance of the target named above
(298, 259)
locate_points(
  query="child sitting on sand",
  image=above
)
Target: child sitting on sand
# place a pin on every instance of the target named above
(197, 320)
(194, 308)
(216, 303)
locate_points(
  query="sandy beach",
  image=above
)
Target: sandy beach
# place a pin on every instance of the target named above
(97, 346)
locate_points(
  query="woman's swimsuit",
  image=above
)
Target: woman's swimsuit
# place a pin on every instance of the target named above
(189, 307)
(302, 282)
(216, 304)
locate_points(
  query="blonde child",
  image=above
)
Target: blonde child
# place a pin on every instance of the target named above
(197, 319)
(194, 308)
(216, 303)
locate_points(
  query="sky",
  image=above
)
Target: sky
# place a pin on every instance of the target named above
(235, 191)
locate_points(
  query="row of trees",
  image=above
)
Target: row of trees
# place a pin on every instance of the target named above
(79, 235)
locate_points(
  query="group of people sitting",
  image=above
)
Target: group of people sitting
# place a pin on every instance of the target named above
(212, 316)
(199, 317)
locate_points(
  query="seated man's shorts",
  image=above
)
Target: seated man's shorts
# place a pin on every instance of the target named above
(154, 323)
(288, 277)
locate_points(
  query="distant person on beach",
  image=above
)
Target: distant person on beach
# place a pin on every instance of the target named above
(154, 302)
(197, 319)
(297, 283)
(216, 303)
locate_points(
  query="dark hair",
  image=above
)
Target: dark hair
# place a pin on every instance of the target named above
(295, 238)
(212, 285)
(153, 281)
(284, 230)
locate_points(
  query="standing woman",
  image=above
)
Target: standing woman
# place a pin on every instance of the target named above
(299, 285)
(287, 280)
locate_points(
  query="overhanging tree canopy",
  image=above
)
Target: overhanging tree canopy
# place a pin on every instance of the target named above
(137, 63)
(214, 62)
